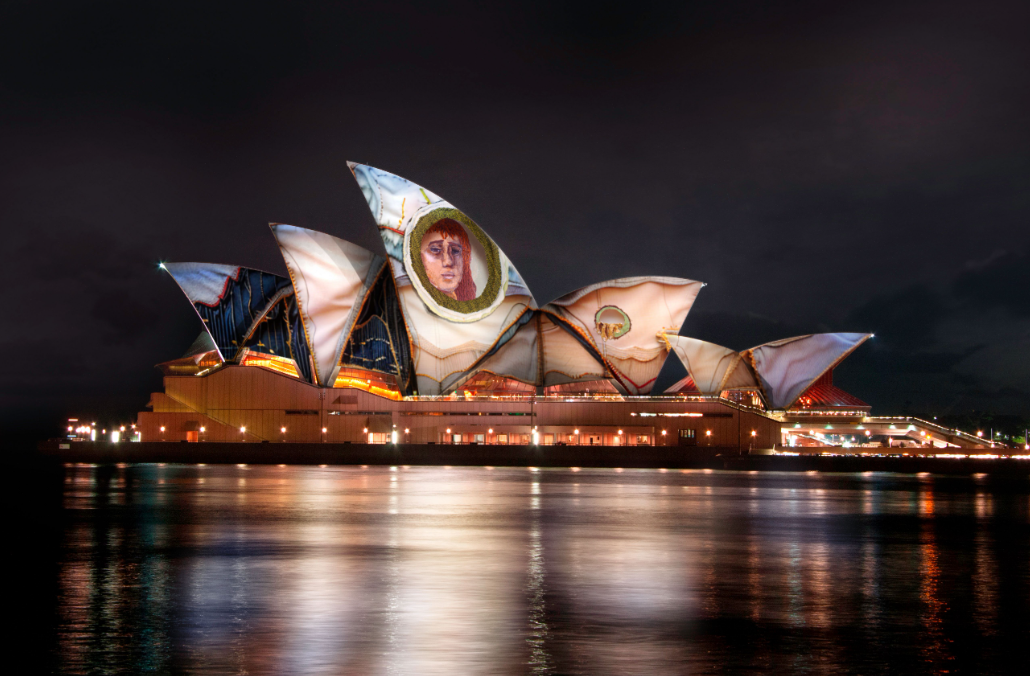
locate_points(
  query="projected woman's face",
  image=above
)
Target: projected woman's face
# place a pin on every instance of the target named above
(442, 259)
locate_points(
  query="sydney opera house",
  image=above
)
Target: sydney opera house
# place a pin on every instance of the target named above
(438, 339)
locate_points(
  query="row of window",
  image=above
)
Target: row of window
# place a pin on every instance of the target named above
(549, 439)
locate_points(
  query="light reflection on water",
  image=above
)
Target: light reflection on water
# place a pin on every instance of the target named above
(473, 571)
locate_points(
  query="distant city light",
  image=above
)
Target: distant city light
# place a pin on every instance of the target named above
(243, 429)
(283, 430)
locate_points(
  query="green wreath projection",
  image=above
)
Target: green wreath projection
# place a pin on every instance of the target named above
(495, 281)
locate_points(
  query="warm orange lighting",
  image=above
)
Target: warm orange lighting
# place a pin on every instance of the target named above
(243, 429)
(448, 430)
(980, 433)
(490, 431)
(406, 430)
(324, 430)
(753, 433)
(272, 362)
(162, 428)
(283, 430)
(620, 431)
(708, 433)
(573, 431)
(203, 429)
(367, 386)
(365, 430)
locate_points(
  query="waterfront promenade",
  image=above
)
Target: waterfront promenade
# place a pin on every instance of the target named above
(644, 457)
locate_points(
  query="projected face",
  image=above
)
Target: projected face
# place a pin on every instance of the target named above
(446, 256)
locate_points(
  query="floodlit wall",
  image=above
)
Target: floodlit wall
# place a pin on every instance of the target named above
(262, 402)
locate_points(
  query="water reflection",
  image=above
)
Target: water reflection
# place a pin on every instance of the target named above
(468, 571)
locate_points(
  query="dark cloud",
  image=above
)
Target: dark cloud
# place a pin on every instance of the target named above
(904, 320)
(1001, 280)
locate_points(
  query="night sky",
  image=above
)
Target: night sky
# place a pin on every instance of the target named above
(823, 167)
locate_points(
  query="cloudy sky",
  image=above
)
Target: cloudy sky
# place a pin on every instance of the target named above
(822, 166)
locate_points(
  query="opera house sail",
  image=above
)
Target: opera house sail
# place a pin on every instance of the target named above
(441, 314)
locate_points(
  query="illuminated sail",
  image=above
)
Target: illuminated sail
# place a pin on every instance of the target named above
(460, 295)
(788, 367)
(331, 278)
(626, 322)
(245, 308)
(713, 368)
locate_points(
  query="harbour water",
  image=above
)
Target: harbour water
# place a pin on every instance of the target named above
(434, 570)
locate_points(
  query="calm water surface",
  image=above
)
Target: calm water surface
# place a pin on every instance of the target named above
(294, 570)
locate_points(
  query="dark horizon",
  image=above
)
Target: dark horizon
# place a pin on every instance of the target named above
(863, 167)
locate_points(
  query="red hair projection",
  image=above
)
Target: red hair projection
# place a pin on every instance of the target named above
(447, 228)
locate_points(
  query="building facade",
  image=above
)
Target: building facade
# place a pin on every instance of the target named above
(438, 339)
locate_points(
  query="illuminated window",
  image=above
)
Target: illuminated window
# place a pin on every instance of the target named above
(278, 364)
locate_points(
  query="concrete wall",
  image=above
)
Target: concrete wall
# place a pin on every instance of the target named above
(251, 404)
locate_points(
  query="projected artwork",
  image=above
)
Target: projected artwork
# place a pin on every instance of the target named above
(445, 268)
(446, 310)
(625, 321)
(332, 278)
(456, 266)
(245, 308)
